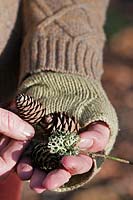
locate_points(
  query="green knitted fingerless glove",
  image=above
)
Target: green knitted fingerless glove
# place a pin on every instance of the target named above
(79, 96)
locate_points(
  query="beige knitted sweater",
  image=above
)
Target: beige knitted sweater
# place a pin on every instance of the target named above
(61, 64)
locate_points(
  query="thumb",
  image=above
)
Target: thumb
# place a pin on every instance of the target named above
(95, 138)
(14, 127)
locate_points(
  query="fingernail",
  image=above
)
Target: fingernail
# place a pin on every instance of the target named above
(28, 131)
(85, 143)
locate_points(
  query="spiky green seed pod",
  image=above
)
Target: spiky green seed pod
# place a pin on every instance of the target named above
(63, 143)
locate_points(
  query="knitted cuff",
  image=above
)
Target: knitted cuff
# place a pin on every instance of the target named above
(80, 97)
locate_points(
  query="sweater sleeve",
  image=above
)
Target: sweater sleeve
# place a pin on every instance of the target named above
(63, 36)
(61, 64)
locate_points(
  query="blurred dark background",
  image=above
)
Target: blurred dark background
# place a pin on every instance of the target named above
(115, 181)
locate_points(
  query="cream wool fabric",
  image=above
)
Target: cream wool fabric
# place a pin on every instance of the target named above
(61, 64)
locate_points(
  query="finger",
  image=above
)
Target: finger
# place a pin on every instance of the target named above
(95, 138)
(14, 127)
(56, 178)
(37, 180)
(10, 155)
(77, 164)
(24, 169)
(4, 140)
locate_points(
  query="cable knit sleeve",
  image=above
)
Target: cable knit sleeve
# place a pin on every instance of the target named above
(63, 36)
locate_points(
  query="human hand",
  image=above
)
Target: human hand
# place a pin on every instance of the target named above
(93, 139)
(14, 136)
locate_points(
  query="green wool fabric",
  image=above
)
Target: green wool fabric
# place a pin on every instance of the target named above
(79, 96)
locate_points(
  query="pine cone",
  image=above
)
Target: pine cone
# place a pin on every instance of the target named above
(43, 159)
(62, 139)
(59, 121)
(29, 109)
(59, 125)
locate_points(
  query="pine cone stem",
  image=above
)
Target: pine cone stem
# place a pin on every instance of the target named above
(95, 155)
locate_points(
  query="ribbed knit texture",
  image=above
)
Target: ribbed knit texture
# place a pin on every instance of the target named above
(62, 36)
(61, 62)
